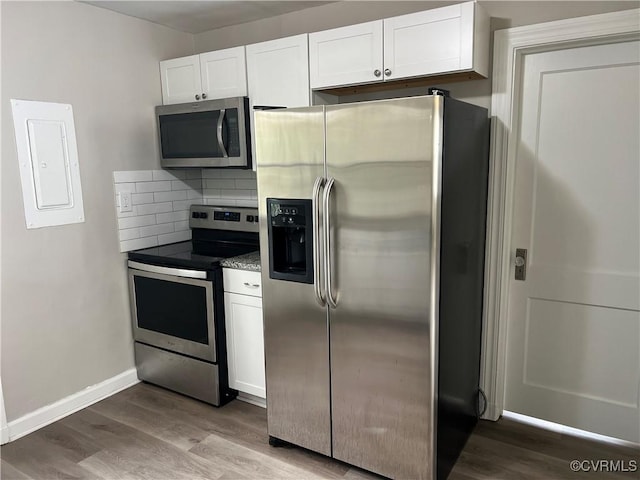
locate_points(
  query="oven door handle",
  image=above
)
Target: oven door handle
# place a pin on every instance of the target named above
(176, 272)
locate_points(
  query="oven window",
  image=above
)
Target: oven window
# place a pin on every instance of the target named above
(175, 309)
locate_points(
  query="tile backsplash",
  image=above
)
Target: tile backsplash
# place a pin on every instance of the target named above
(161, 199)
(229, 187)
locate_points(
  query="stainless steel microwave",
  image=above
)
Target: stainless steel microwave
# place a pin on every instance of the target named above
(212, 133)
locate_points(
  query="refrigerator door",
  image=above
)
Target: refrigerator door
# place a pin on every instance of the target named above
(290, 158)
(385, 159)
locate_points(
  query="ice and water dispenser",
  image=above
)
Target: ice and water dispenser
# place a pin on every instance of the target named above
(290, 240)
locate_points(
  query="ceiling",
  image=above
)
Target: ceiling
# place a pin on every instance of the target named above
(203, 15)
(200, 16)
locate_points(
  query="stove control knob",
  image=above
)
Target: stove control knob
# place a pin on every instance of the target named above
(249, 218)
(203, 215)
(195, 215)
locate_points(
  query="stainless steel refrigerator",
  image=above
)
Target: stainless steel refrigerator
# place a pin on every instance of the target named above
(372, 230)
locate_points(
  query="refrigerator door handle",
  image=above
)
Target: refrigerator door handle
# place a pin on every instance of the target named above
(327, 242)
(317, 250)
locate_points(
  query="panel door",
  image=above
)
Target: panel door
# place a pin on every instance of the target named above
(381, 156)
(245, 343)
(430, 42)
(573, 347)
(290, 156)
(180, 78)
(224, 73)
(346, 55)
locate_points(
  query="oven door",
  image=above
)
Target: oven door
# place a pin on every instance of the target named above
(172, 310)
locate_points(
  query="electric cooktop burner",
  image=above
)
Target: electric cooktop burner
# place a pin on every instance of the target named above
(217, 233)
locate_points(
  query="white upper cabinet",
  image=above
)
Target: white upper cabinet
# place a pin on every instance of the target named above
(444, 40)
(346, 55)
(441, 40)
(208, 76)
(451, 41)
(224, 73)
(278, 75)
(180, 79)
(278, 72)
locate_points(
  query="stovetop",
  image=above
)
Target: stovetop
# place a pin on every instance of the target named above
(221, 232)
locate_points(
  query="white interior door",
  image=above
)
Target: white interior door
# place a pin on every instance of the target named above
(573, 341)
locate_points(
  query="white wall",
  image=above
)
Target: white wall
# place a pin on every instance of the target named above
(65, 313)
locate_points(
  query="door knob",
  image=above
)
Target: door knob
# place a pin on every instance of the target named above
(377, 72)
(387, 72)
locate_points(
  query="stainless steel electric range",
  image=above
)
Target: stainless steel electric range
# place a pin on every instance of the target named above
(177, 304)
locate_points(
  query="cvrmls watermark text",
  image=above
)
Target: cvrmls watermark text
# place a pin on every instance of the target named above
(603, 465)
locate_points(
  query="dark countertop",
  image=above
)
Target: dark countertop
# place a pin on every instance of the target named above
(248, 261)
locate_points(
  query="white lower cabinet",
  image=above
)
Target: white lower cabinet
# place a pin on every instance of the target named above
(245, 340)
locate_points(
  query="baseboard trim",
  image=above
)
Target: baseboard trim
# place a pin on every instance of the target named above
(252, 399)
(576, 432)
(68, 405)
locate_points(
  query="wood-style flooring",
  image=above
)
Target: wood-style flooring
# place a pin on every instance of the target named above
(146, 432)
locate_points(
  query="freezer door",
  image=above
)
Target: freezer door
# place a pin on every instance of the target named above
(381, 155)
(290, 157)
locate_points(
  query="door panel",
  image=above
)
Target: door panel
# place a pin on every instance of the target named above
(180, 80)
(290, 156)
(381, 372)
(224, 73)
(574, 324)
(429, 42)
(245, 343)
(278, 75)
(346, 55)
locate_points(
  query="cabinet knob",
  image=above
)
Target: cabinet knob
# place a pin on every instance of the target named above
(204, 95)
(377, 72)
(387, 72)
(197, 97)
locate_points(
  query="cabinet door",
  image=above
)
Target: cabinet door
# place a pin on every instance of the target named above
(224, 73)
(278, 72)
(180, 79)
(346, 55)
(245, 343)
(278, 75)
(430, 42)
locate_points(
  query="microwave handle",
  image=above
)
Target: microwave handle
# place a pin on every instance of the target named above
(219, 132)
